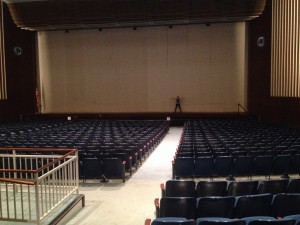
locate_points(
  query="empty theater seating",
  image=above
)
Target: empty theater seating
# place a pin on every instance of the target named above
(236, 147)
(232, 207)
(191, 188)
(109, 144)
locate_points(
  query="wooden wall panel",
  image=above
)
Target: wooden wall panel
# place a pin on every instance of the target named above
(260, 103)
(20, 71)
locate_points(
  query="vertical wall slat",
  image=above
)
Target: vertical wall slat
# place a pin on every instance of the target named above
(3, 91)
(285, 78)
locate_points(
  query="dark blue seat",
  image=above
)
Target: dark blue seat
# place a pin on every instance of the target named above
(91, 168)
(285, 204)
(293, 186)
(179, 188)
(223, 166)
(211, 188)
(253, 205)
(281, 165)
(262, 165)
(243, 187)
(295, 217)
(243, 166)
(204, 167)
(272, 186)
(114, 168)
(172, 221)
(272, 222)
(176, 207)
(183, 167)
(252, 218)
(295, 164)
(216, 206)
(219, 221)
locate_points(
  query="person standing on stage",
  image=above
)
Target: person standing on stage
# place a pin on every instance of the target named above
(177, 106)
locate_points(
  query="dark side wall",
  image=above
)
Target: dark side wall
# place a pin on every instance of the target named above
(20, 71)
(260, 104)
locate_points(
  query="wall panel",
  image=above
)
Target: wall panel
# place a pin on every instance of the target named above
(143, 70)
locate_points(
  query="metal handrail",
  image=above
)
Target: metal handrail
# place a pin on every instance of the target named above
(48, 187)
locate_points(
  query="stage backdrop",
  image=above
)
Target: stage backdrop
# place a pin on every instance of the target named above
(143, 70)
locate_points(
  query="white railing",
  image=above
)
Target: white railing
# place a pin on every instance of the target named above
(33, 182)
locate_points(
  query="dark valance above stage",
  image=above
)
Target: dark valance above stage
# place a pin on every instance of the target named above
(83, 14)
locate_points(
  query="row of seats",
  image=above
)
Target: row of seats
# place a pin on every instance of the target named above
(128, 141)
(190, 188)
(237, 137)
(255, 220)
(236, 166)
(94, 168)
(277, 206)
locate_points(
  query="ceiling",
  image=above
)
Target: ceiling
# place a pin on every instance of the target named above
(38, 15)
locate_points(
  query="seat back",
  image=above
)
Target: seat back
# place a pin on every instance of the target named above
(91, 168)
(217, 221)
(113, 168)
(272, 222)
(262, 165)
(243, 165)
(238, 188)
(211, 188)
(272, 186)
(204, 166)
(180, 188)
(215, 206)
(253, 205)
(183, 167)
(178, 207)
(285, 204)
(295, 164)
(223, 166)
(172, 221)
(293, 186)
(281, 164)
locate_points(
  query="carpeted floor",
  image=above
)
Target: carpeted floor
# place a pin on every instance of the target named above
(115, 203)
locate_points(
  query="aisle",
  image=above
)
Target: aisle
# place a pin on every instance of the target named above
(131, 203)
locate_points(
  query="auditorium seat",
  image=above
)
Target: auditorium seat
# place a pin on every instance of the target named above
(272, 186)
(285, 204)
(114, 168)
(176, 207)
(295, 164)
(243, 166)
(178, 188)
(219, 221)
(172, 221)
(243, 187)
(293, 186)
(223, 166)
(204, 167)
(183, 167)
(91, 168)
(281, 165)
(215, 206)
(262, 165)
(253, 205)
(211, 188)
(272, 222)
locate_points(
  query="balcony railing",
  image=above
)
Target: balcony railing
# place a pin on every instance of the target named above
(34, 181)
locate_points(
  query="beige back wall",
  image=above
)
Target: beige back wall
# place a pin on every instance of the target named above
(143, 70)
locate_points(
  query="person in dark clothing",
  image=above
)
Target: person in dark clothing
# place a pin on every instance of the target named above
(177, 106)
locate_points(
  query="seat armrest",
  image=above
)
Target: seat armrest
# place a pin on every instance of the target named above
(148, 222)
(163, 190)
(156, 203)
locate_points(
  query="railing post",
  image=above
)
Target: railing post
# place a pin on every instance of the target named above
(37, 200)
